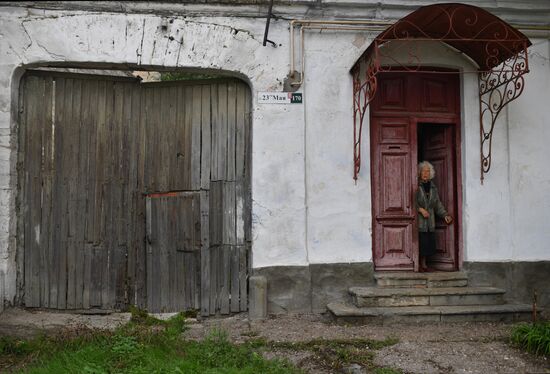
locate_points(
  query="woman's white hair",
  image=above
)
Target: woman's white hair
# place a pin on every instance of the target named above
(424, 164)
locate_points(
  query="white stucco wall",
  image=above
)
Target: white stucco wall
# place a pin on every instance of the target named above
(306, 206)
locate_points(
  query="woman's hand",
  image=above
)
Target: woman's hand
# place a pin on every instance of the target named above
(424, 212)
(448, 220)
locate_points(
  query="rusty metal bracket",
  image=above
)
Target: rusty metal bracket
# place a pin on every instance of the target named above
(363, 93)
(497, 88)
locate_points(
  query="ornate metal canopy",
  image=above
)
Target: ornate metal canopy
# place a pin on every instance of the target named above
(498, 50)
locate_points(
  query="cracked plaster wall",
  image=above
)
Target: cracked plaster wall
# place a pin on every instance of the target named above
(306, 207)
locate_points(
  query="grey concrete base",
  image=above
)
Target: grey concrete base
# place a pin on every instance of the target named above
(302, 289)
(258, 297)
(305, 289)
(519, 279)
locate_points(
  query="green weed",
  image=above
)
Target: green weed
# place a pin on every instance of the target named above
(145, 345)
(534, 338)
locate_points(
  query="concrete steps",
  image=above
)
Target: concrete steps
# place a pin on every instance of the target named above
(388, 297)
(426, 297)
(410, 279)
(348, 313)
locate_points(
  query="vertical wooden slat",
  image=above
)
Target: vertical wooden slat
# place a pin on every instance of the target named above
(188, 104)
(240, 114)
(231, 130)
(243, 277)
(148, 240)
(225, 282)
(164, 243)
(205, 253)
(133, 194)
(222, 130)
(234, 278)
(57, 182)
(96, 222)
(90, 123)
(64, 149)
(81, 187)
(196, 138)
(215, 133)
(206, 140)
(229, 213)
(107, 218)
(141, 251)
(247, 167)
(35, 92)
(46, 204)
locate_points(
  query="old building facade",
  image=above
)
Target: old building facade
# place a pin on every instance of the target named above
(304, 222)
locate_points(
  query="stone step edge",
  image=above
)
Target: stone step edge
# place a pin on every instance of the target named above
(365, 292)
(340, 309)
(421, 276)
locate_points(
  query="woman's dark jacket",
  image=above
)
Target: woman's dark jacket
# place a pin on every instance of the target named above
(432, 204)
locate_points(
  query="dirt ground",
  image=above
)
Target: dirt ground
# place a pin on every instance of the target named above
(424, 348)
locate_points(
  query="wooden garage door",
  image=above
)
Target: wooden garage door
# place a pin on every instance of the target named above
(92, 152)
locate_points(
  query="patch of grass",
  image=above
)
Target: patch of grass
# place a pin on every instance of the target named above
(144, 345)
(534, 338)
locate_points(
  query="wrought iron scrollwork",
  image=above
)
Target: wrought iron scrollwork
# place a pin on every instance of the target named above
(499, 50)
(497, 88)
(363, 93)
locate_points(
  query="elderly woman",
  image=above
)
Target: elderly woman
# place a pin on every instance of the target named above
(428, 205)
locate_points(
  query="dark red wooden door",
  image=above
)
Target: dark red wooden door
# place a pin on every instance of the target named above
(393, 205)
(437, 148)
(403, 104)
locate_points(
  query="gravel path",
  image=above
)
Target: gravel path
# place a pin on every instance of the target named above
(434, 348)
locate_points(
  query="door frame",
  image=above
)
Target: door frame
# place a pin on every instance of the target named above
(455, 122)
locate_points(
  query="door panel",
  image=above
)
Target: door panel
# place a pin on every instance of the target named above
(392, 167)
(437, 148)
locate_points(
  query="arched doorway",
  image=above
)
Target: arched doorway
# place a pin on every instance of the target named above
(415, 114)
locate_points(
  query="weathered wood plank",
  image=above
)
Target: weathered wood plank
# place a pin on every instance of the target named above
(188, 105)
(240, 213)
(205, 253)
(149, 243)
(234, 278)
(228, 225)
(141, 250)
(64, 148)
(109, 214)
(90, 123)
(222, 131)
(196, 137)
(225, 283)
(248, 167)
(81, 187)
(46, 204)
(164, 253)
(35, 90)
(206, 137)
(56, 294)
(215, 134)
(231, 130)
(197, 251)
(243, 277)
(240, 114)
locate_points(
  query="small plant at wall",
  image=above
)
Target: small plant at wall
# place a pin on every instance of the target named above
(534, 338)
